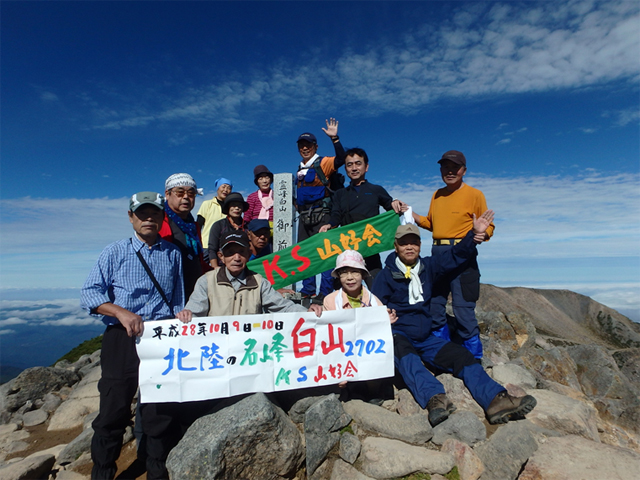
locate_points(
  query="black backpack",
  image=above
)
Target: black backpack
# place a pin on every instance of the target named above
(335, 180)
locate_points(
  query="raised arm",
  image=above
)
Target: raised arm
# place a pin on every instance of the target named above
(332, 132)
(332, 128)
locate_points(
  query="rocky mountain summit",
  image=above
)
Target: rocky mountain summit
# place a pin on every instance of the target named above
(578, 358)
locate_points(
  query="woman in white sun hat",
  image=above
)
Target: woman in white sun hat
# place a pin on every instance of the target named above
(351, 271)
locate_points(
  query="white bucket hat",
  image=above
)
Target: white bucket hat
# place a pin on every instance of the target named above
(350, 258)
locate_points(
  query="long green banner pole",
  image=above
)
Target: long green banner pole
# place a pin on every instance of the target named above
(318, 253)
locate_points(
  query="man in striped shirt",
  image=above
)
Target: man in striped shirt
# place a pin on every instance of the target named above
(122, 292)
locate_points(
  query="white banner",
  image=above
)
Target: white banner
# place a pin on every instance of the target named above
(216, 357)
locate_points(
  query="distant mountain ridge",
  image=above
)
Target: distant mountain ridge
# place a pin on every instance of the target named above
(564, 314)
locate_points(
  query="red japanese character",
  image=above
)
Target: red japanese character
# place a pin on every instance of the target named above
(332, 345)
(297, 345)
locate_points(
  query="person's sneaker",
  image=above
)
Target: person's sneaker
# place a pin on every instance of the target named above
(440, 407)
(505, 407)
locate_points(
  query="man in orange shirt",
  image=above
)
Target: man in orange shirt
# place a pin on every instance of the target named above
(450, 217)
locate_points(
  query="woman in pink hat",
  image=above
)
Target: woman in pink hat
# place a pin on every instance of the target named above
(351, 270)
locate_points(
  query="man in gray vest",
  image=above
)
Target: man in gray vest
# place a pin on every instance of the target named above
(232, 289)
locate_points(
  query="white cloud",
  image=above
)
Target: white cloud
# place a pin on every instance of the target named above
(627, 116)
(56, 313)
(588, 130)
(503, 141)
(12, 321)
(7, 332)
(486, 49)
(33, 224)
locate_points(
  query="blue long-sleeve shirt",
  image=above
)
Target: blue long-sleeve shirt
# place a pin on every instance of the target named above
(118, 277)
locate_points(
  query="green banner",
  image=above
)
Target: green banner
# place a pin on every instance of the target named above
(318, 253)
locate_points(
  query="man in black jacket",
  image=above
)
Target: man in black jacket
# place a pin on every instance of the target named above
(360, 200)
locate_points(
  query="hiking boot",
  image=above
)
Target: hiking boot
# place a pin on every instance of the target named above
(505, 407)
(440, 407)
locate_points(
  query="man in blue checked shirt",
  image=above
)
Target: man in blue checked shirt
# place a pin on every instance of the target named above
(121, 290)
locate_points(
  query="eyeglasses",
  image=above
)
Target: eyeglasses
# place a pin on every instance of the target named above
(346, 273)
(180, 192)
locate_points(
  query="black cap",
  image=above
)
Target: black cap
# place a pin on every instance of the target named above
(309, 137)
(455, 156)
(239, 236)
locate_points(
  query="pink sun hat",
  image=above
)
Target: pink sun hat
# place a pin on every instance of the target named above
(350, 258)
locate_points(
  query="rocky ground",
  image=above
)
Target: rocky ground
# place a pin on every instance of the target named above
(580, 359)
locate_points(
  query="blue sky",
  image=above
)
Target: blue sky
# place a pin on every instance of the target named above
(103, 99)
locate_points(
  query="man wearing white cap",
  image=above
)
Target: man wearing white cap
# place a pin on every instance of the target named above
(180, 228)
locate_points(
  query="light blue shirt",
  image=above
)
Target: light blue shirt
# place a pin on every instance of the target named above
(118, 277)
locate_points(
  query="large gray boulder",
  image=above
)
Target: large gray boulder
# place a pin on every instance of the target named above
(469, 465)
(628, 362)
(29, 469)
(322, 421)
(34, 417)
(611, 392)
(506, 451)
(33, 383)
(299, 408)
(415, 429)
(565, 415)
(349, 447)
(406, 405)
(554, 364)
(571, 457)
(513, 374)
(250, 439)
(463, 426)
(344, 471)
(387, 458)
(77, 446)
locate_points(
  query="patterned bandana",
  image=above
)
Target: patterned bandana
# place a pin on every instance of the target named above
(189, 229)
(181, 180)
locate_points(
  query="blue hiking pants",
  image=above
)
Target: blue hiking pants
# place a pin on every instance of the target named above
(464, 285)
(447, 356)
